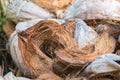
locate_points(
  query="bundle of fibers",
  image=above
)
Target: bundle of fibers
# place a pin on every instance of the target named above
(78, 57)
(53, 5)
(37, 45)
(112, 27)
(70, 27)
(48, 76)
(49, 36)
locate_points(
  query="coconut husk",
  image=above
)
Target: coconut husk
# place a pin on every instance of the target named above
(34, 59)
(112, 27)
(48, 76)
(51, 35)
(53, 6)
(70, 27)
(93, 23)
(9, 28)
(96, 48)
(78, 57)
(35, 47)
(100, 25)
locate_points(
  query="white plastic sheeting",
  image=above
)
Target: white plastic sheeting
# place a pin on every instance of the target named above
(94, 9)
(84, 35)
(22, 10)
(104, 64)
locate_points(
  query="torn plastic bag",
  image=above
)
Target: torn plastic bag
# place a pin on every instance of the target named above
(84, 35)
(1, 78)
(11, 76)
(22, 10)
(107, 63)
(94, 9)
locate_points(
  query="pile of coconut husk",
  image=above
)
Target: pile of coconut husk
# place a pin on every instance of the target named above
(82, 45)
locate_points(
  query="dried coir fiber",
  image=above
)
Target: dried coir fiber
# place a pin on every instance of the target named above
(89, 53)
(112, 28)
(50, 35)
(53, 5)
(49, 76)
(9, 28)
(77, 57)
(70, 27)
(38, 43)
(34, 59)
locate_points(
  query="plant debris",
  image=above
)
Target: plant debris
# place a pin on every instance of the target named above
(62, 39)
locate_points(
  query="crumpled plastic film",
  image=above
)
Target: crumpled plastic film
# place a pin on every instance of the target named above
(104, 64)
(22, 10)
(84, 35)
(94, 9)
